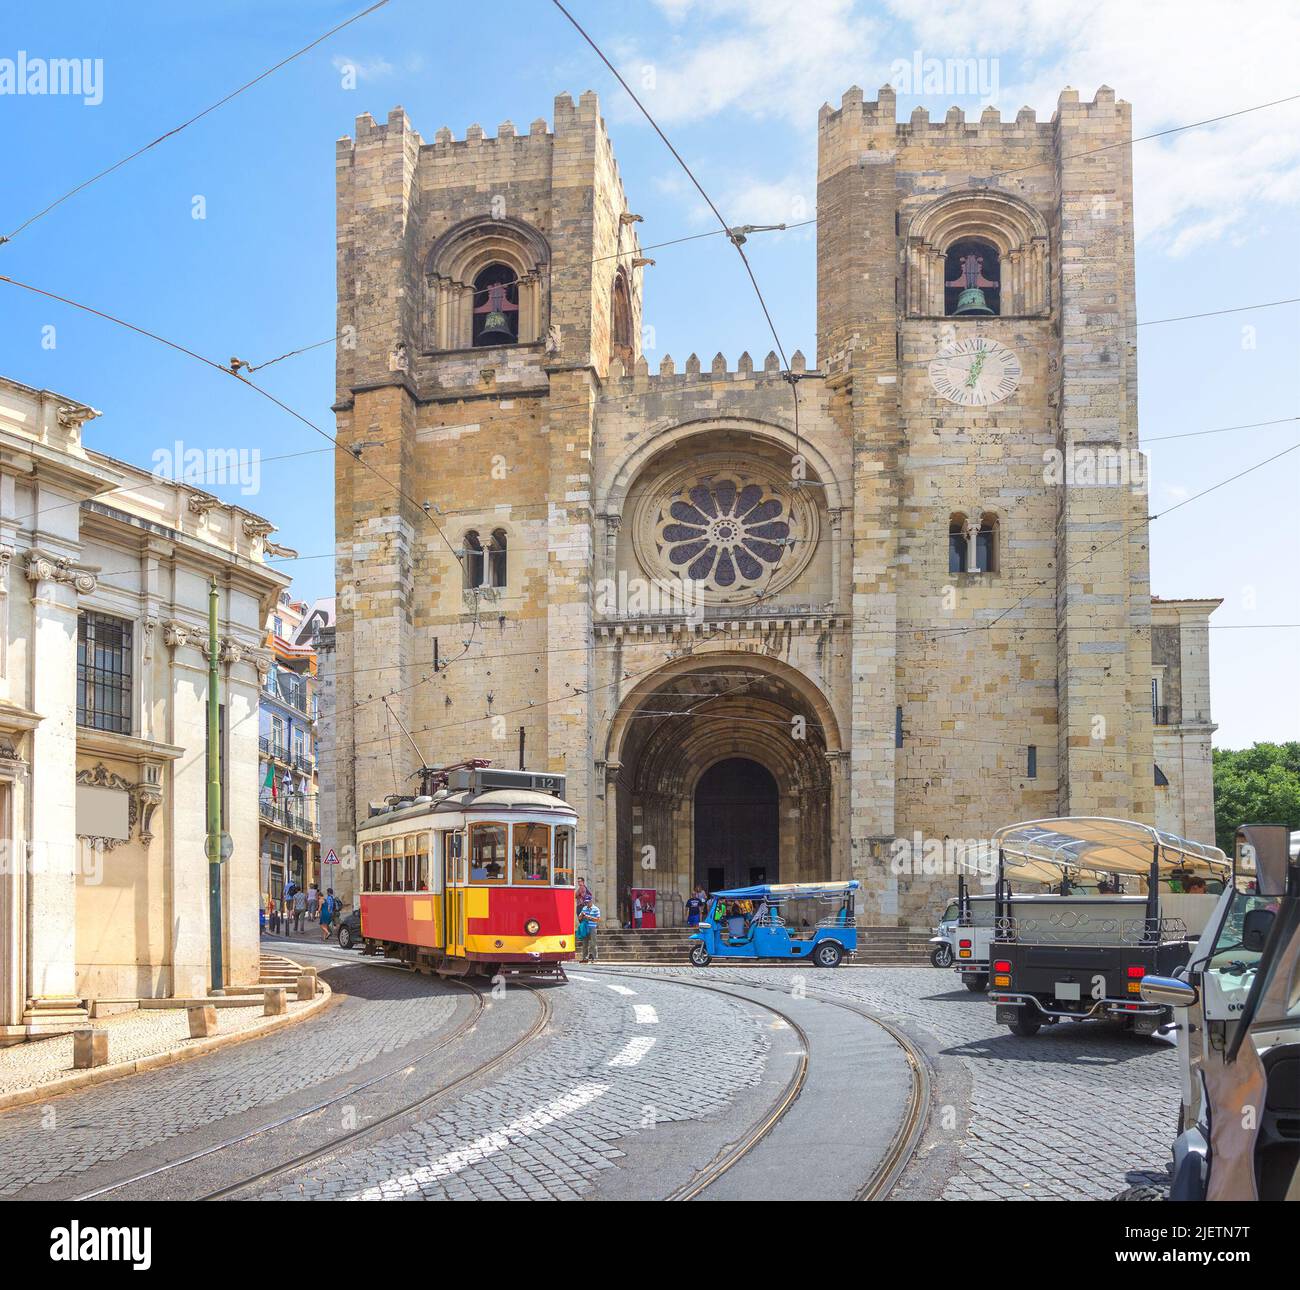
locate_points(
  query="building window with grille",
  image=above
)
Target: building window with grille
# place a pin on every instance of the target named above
(104, 673)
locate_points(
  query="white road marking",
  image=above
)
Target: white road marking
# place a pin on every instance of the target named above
(609, 985)
(645, 1014)
(488, 1145)
(632, 1052)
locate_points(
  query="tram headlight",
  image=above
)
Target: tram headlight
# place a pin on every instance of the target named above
(532, 927)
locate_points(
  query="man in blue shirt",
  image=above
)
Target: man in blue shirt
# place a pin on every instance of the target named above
(590, 917)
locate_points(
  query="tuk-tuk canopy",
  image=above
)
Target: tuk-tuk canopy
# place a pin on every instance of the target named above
(981, 861)
(777, 892)
(1104, 846)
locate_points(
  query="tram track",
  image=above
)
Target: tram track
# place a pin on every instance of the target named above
(907, 1137)
(327, 1150)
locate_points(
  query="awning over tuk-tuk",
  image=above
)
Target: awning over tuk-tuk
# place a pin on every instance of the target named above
(774, 893)
(981, 862)
(1105, 846)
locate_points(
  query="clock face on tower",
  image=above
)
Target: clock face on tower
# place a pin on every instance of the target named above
(975, 372)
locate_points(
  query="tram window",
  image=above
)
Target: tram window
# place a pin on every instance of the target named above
(422, 869)
(487, 853)
(532, 853)
(564, 857)
(410, 873)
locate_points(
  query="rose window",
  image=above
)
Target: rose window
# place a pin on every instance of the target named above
(725, 534)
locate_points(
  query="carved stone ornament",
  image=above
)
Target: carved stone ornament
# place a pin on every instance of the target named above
(275, 549)
(256, 529)
(202, 503)
(261, 659)
(232, 651)
(102, 777)
(176, 634)
(58, 568)
(72, 416)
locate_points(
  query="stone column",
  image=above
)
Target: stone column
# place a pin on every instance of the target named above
(609, 883)
(53, 1003)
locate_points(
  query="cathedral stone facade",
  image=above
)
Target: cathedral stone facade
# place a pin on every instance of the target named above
(763, 643)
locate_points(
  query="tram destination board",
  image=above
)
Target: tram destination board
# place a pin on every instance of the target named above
(482, 780)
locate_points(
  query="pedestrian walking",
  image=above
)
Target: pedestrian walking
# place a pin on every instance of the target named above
(313, 902)
(590, 918)
(328, 908)
(694, 908)
(299, 909)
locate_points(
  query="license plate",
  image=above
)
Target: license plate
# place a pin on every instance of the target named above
(1068, 990)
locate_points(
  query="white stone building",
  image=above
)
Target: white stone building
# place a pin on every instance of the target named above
(104, 577)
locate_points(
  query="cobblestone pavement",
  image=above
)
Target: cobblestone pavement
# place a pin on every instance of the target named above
(624, 1056)
(1077, 1112)
(65, 1136)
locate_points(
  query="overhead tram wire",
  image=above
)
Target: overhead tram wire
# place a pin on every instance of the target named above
(184, 125)
(243, 380)
(733, 236)
(1146, 521)
(729, 232)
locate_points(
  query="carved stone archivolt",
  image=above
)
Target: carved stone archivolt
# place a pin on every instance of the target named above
(59, 568)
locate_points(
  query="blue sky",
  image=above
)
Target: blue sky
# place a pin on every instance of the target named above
(737, 85)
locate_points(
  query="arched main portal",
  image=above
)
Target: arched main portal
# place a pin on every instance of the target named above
(723, 760)
(737, 825)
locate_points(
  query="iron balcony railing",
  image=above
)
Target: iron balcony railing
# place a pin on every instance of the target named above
(291, 816)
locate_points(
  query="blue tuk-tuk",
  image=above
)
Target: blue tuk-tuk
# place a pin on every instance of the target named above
(770, 922)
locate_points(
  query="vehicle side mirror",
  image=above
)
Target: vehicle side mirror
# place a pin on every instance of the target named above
(1255, 927)
(1168, 991)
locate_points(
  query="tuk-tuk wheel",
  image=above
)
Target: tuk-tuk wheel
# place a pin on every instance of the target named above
(828, 955)
(1027, 1024)
(941, 956)
(978, 984)
(700, 956)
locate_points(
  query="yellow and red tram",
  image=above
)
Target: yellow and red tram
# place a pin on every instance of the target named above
(478, 877)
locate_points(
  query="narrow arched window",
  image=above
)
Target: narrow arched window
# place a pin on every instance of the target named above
(473, 561)
(496, 306)
(958, 546)
(497, 559)
(972, 279)
(620, 321)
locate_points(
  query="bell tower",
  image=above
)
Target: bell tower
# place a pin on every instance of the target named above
(485, 285)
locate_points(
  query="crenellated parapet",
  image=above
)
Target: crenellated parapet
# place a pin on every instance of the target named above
(667, 378)
(857, 112)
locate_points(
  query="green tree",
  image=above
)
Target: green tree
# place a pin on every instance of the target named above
(1256, 785)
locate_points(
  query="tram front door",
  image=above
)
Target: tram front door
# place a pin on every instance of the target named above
(453, 894)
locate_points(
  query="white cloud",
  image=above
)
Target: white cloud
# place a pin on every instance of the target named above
(1176, 61)
(365, 69)
(767, 59)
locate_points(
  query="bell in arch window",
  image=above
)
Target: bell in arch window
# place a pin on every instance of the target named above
(496, 306)
(971, 279)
